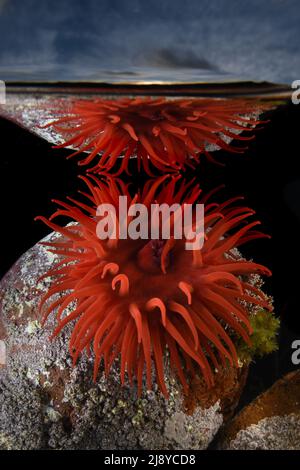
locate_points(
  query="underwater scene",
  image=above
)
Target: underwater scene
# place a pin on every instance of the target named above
(150, 191)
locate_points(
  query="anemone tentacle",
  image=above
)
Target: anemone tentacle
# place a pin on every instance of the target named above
(141, 298)
(168, 134)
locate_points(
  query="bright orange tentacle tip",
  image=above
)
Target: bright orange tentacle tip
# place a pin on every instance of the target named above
(170, 134)
(149, 302)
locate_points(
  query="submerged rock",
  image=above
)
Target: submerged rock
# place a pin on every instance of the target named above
(271, 422)
(47, 403)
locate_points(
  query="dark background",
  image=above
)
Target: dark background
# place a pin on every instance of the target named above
(268, 174)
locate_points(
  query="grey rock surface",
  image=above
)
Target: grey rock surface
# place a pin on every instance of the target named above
(274, 433)
(270, 422)
(46, 403)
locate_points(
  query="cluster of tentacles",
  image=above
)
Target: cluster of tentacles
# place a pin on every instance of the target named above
(161, 133)
(137, 299)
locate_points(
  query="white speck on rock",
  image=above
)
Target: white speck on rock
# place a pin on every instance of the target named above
(32, 327)
(52, 414)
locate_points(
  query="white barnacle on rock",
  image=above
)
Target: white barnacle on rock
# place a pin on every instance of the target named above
(52, 415)
(33, 376)
(32, 327)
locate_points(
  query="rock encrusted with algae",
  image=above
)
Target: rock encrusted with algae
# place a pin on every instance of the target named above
(46, 403)
(271, 422)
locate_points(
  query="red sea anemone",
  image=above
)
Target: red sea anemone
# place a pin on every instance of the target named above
(167, 133)
(137, 299)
